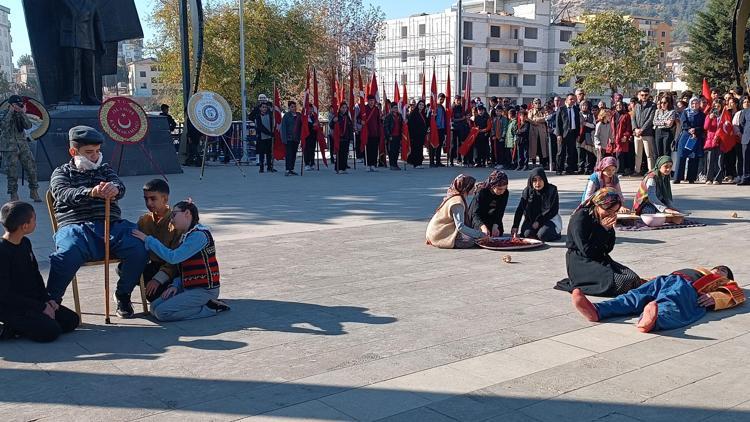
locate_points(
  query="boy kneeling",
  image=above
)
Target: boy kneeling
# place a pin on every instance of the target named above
(25, 307)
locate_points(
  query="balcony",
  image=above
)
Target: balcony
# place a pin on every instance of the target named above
(504, 90)
(511, 67)
(504, 42)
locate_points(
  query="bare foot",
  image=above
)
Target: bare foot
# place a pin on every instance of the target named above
(584, 306)
(648, 318)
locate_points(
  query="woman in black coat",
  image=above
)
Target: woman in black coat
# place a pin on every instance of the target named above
(591, 238)
(417, 121)
(539, 208)
(487, 208)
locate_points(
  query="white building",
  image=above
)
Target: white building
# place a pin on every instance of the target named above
(130, 50)
(143, 78)
(6, 53)
(511, 46)
(26, 75)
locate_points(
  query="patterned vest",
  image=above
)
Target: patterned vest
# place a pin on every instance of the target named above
(201, 269)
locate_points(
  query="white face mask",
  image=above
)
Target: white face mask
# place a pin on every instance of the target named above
(84, 164)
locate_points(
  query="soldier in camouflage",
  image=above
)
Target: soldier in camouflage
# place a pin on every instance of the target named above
(15, 149)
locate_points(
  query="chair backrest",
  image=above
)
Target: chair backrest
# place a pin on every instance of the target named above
(51, 210)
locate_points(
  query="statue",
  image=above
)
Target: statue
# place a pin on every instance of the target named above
(739, 27)
(74, 43)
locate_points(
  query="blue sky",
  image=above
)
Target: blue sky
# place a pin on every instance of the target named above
(392, 9)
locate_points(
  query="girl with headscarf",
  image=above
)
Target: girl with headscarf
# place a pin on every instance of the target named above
(447, 229)
(604, 176)
(690, 142)
(655, 193)
(487, 208)
(539, 207)
(417, 121)
(591, 239)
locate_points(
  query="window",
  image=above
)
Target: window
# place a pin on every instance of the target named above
(663, 34)
(422, 29)
(494, 79)
(530, 33)
(403, 79)
(565, 36)
(563, 59)
(468, 31)
(463, 81)
(422, 54)
(514, 58)
(512, 80)
(661, 55)
(515, 33)
(529, 56)
(143, 86)
(142, 73)
(563, 82)
(403, 56)
(467, 55)
(529, 80)
(404, 31)
(494, 31)
(495, 56)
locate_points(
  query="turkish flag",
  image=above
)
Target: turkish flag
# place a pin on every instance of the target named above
(316, 119)
(396, 94)
(469, 142)
(405, 142)
(434, 138)
(305, 131)
(335, 96)
(375, 91)
(278, 146)
(448, 115)
(706, 91)
(725, 133)
(362, 115)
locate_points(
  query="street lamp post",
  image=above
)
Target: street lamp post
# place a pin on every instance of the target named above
(245, 141)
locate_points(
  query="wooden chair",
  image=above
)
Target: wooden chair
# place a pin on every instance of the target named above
(51, 210)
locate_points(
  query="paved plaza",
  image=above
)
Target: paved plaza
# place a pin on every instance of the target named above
(340, 312)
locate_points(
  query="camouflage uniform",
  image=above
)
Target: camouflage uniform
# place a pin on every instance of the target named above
(15, 150)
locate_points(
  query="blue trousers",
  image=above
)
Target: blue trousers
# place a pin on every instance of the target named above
(186, 304)
(676, 298)
(76, 244)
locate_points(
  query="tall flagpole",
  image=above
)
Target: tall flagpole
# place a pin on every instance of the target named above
(243, 89)
(184, 52)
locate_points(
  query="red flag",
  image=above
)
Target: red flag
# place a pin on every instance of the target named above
(362, 115)
(335, 95)
(467, 92)
(727, 138)
(448, 114)
(434, 138)
(424, 94)
(305, 131)
(396, 94)
(405, 142)
(319, 130)
(375, 91)
(469, 142)
(351, 95)
(278, 146)
(707, 94)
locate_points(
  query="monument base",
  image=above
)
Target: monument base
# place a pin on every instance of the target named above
(127, 161)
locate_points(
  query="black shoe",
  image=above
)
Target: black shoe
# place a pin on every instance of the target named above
(261, 170)
(272, 170)
(217, 305)
(676, 182)
(559, 173)
(293, 173)
(124, 307)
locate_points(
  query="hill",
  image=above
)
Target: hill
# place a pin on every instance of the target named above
(677, 12)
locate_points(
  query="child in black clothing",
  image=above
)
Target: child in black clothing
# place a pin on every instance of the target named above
(522, 140)
(25, 307)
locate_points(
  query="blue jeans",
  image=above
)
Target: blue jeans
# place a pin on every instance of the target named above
(77, 244)
(676, 298)
(186, 304)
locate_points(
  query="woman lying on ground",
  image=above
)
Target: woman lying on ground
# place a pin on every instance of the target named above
(487, 208)
(591, 238)
(448, 229)
(539, 207)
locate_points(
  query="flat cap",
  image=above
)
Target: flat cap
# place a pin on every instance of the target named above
(85, 135)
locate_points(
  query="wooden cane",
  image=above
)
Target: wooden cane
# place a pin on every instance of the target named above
(106, 260)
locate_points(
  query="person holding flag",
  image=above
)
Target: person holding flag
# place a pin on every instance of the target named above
(342, 128)
(460, 129)
(440, 124)
(371, 126)
(393, 128)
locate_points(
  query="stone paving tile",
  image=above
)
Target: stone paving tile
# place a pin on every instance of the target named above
(309, 273)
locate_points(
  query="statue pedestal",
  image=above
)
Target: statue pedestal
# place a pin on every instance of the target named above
(134, 162)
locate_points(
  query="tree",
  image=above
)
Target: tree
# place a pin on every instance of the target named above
(25, 60)
(280, 39)
(710, 42)
(611, 54)
(5, 86)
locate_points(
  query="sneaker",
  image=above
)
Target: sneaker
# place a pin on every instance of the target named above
(124, 307)
(217, 306)
(371, 169)
(261, 170)
(287, 173)
(418, 167)
(343, 172)
(293, 173)
(272, 170)
(717, 182)
(6, 333)
(308, 168)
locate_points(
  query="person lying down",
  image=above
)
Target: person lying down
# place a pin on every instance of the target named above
(669, 301)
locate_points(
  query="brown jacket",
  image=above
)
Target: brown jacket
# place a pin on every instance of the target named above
(164, 231)
(442, 230)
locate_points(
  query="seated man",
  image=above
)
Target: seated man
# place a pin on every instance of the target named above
(669, 301)
(158, 274)
(79, 189)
